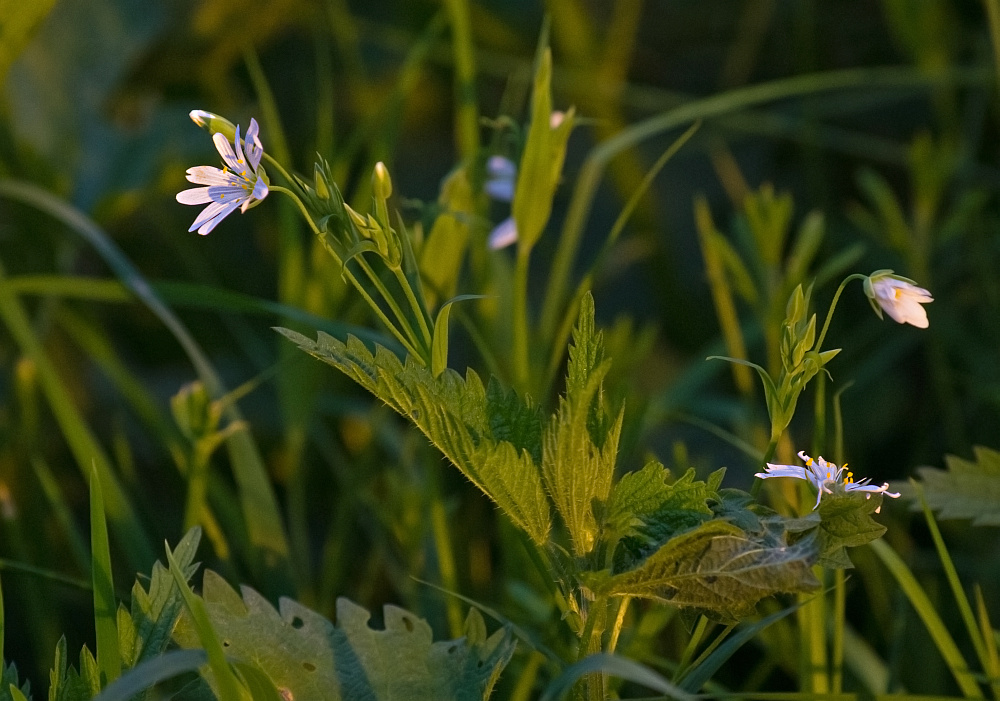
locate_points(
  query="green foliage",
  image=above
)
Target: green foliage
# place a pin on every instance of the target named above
(720, 570)
(644, 511)
(580, 444)
(10, 686)
(457, 418)
(845, 521)
(304, 656)
(968, 489)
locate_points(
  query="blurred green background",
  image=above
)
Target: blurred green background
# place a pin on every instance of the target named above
(893, 138)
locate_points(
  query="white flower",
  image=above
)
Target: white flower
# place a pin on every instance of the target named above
(238, 184)
(503, 234)
(899, 297)
(823, 475)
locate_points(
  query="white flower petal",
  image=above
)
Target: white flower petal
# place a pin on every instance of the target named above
(901, 300)
(208, 175)
(212, 215)
(196, 195)
(254, 149)
(503, 235)
(225, 150)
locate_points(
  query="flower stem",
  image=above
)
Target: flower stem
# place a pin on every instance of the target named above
(400, 336)
(833, 305)
(520, 313)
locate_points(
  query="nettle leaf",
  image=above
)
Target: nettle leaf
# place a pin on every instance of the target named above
(307, 657)
(145, 631)
(8, 679)
(65, 683)
(719, 570)
(644, 511)
(515, 420)
(846, 522)
(968, 489)
(457, 416)
(580, 443)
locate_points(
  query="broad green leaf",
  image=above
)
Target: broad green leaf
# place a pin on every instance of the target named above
(645, 511)
(454, 414)
(306, 657)
(203, 631)
(968, 489)
(720, 570)
(846, 522)
(514, 419)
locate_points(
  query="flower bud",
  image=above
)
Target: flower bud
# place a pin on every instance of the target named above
(381, 182)
(213, 123)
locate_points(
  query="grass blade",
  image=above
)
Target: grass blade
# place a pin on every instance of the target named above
(932, 621)
(267, 550)
(105, 610)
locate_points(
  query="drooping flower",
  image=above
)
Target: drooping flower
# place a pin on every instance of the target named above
(899, 297)
(241, 183)
(823, 475)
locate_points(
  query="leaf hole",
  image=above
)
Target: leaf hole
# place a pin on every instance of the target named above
(297, 623)
(226, 643)
(309, 666)
(408, 623)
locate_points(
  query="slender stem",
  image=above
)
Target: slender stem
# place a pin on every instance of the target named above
(401, 337)
(418, 309)
(390, 300)
(619, 622)
(833, 305)
(520, 314)
(837, 645)
(302, 207)
(685, 662)
(772, 448)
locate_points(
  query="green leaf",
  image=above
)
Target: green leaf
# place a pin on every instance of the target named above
(105, 607)
(514, 419)
(154, 612)
(454, 414)
(10, 687)
(439, 344)
(645, 511)
(306, 657)
(720, 570)
(968, 489)
(846, 522)
(541, 161)
(227, 686)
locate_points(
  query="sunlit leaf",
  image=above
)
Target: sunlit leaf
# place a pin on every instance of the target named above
(306, 657)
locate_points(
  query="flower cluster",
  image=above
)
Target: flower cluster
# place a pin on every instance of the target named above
(823, 475)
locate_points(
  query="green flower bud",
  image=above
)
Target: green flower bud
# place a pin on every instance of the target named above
(381, 182)
(213, 123)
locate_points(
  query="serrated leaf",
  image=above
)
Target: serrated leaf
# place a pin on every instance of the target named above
(646, 511)
(306, 657)
(514, 419)
(154, 612)
(846, 522)
(580, 443)
(719, 570)
(10, 686)
(454, 414)
(969, 489)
